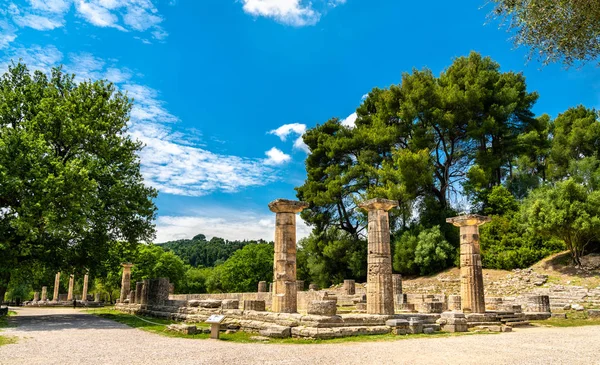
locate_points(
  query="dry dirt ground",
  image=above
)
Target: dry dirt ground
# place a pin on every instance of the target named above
(66, 336)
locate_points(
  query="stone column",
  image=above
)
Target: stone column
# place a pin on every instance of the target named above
(138, 292)
(471, 274)
(85, 288)
(284, 267)
(56, 287)
(300, 285)
(125, 281)
(262, 286)
(380, 291)
(36, 296)
(44, 293)
(132, 297)
(71, 283)
(349, 287)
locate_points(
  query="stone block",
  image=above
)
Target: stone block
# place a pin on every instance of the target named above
(210, 303)
(431, 307)
(454, 303)
(415, 325)
(276, 332)
(538, 303)
(361, 306)
(262, 286)
(453, 322)
(313, 286)
(183, 328)
(405, 307)
(559, 315)
(230, 304)
(428, 330)
(254, 305)
(593, 313)
(322, 307)
(349, 287)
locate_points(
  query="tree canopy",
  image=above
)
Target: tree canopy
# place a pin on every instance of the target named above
(565, 31)
(70, 180)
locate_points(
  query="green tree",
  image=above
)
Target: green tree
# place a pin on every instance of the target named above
(70, 178)
(433, 253)
(244, 269)
(567, 211)
(565, 31)
(152, 261)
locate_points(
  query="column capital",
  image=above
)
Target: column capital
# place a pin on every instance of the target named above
(287, 206)
(127, 265)
(378, 204)
(468, 220)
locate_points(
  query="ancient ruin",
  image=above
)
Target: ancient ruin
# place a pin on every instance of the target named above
(471, 271)
(284, 270)
(125, 281)
(380, 295)
(56, 287)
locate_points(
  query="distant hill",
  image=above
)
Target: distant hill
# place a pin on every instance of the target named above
(200, 252)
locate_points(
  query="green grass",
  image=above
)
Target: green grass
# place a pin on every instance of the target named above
(245, 337)
(12, 313)
(4, 340)
(574, 319)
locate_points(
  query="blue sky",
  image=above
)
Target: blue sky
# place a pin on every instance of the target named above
(225, 88)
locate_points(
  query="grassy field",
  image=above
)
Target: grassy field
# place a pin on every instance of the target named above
(158, 326)
(574, 319)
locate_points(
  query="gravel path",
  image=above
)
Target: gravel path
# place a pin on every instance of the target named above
(66, 336)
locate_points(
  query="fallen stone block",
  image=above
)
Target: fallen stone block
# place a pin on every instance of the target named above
(428, 330)
(593, 313)
(322, 307)
(183, 328)
(559, 315)
(277, 332)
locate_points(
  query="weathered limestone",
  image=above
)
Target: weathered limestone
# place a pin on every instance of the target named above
(431, 307)
(158, 291)
(71, 283)
(262, 286)
(36, 296)
(56, 287)
(284, 266)
(415, 325)
(131, 297)
(230, 304)
(44, 293)
(380, 294)
(138, 292)
(471, 274)
(349, 287)
(84, 293)
(300, 285)
(538, 303)
(270, 287)
(322, 307)
(254, 305)
(399, 326)
(453, 322)
(313, 286)
(125, 281)
(397, 283)
(144, 296)
(454, 303)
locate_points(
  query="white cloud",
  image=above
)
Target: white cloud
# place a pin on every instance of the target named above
(37, 22)
(124, 15)
(35, 57)
(7, 34)
(276, 157)
(290, 12)
(285, 130)
(172, 162)
(365, 96)
(334, 3)
(230, 225)
(350, 120)
(292, 129)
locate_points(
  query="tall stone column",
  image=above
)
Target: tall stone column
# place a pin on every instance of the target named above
(56, 287)
(85, 288)
(125, 281)
(471, 274)
(44, 293)
(284, 267)
(71, 283)
(380, 292)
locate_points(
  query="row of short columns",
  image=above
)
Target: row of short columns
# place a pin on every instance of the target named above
(44, 297)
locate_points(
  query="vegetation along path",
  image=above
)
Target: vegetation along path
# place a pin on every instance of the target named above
(66, 336)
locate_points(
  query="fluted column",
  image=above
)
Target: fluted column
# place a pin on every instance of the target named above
(44, 293)
(71, 283)
(85, 288)
(471, 274)
(380, 292)
(125, 281)
(56, 286)
(284, 265)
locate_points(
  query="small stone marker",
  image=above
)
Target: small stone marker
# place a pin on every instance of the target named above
(215, 325)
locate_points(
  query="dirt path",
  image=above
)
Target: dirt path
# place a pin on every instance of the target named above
(66, 336)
